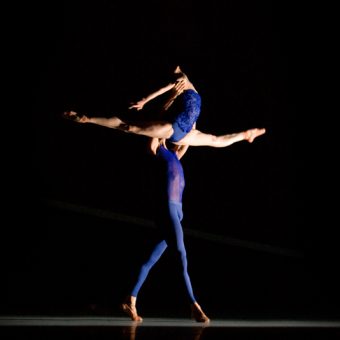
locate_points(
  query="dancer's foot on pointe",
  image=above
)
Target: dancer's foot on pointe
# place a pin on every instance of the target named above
(129, 308)
(198, 314)
(251, 134)
(74, 116)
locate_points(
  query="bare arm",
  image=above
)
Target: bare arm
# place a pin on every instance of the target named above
(181, 150)
(140, 104)
(154, 144)
(178, 88)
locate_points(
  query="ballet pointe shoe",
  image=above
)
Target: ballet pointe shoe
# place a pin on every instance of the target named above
(129, 308)
(197, 313)
(251, 134)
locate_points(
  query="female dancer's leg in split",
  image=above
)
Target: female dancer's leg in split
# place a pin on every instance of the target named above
(169, 222)
(163, 129)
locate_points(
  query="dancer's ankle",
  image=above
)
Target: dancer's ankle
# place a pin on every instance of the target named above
(197, 313)
(129, 307)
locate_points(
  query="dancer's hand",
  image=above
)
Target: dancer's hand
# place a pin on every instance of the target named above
(153, 145)
(180, 86)
(139, 105)
(72, 115)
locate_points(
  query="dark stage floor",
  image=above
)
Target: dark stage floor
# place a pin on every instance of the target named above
(68, 279)
(38, 327)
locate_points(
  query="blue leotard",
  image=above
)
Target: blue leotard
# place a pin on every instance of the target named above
(184, 121)
(169, 210)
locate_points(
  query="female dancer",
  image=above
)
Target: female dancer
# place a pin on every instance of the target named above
(181, 130)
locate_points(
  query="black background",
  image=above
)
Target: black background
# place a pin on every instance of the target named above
(98, 57)
(245, 58)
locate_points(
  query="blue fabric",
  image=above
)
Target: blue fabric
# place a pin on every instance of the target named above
(178, 133)
(172, 175)
(190, 111)
(169, 219)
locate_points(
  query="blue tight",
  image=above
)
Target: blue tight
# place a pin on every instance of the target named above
(170, 225)
(175, 240)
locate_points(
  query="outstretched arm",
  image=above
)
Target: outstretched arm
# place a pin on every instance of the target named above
(114, 122)
(177, 88)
